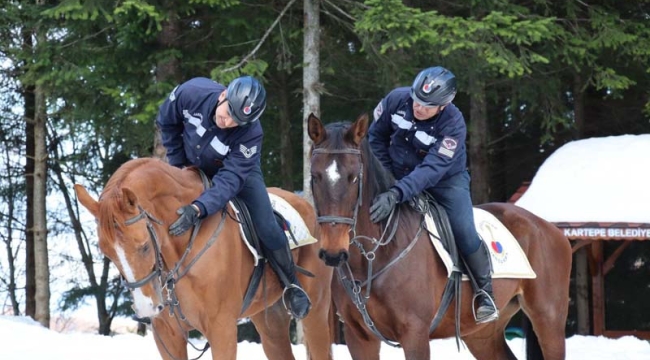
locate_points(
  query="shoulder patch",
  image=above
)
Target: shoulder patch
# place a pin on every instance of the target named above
(448, 147)
(246, 151)
(378, 111)
(172, 95)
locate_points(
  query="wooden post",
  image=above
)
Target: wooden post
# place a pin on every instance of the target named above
(582, 291)
(598, 288)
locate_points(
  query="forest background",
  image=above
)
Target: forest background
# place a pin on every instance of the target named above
(81, 82)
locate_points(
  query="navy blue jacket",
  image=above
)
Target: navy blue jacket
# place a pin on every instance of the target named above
(191, 137)
(419, 153)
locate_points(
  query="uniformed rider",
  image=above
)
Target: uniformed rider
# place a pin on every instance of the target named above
(217, 129)
(419, 135)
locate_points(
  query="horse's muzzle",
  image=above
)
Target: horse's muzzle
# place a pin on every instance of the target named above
(333, 260)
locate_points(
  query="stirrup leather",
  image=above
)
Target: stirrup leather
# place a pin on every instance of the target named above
(490, 317)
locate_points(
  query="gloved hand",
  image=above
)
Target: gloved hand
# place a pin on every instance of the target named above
(189, 216)
(383, 204)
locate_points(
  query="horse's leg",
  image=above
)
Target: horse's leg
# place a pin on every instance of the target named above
(317, 329)
(222, 335)
(169, 338)
(545, 300)
(414, 339)
(362, 345)
(489, 343)
(548, 317)
(273, 326)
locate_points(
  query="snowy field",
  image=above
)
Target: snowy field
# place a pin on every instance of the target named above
(24, 339)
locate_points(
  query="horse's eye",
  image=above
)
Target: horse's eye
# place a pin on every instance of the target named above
(356, 178)
(145, 248)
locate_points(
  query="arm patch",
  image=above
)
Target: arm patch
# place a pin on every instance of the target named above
(448, 147)
(378, 111)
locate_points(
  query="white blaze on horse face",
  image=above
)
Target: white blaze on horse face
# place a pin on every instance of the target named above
(333, 173)
(143, 305)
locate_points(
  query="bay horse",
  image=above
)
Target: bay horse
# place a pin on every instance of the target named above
(183, 284)
(401, 279)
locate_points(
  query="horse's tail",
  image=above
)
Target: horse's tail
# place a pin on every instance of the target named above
(533, 350)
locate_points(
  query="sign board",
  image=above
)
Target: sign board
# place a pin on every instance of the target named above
(589, 232)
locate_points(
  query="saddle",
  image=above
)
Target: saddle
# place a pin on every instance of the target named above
(426, 203)
(253, 240)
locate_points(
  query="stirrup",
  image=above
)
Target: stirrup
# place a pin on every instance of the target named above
(488, 318)
(288, 306)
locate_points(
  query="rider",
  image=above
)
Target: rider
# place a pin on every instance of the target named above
(215, 128)
(419, 135)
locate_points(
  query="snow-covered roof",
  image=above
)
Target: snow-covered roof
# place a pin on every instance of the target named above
(594, 180)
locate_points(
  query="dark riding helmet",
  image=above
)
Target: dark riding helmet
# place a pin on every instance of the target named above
(434, 86)
(246, 100)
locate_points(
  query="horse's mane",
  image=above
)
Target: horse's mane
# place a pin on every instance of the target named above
(111, 204)
(379, 179)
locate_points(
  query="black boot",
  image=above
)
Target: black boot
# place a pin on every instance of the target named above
(282, 262)
(481, 267)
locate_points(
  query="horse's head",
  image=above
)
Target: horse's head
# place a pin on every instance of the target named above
(337, 172)
(129, 233)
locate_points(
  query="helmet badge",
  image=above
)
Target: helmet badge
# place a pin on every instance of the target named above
(427, 87)
(247, 109)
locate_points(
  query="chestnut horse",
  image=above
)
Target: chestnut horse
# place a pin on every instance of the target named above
(401, 297)
(183, 284)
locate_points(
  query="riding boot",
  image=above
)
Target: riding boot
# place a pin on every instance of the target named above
(481, 267)
(282, 262)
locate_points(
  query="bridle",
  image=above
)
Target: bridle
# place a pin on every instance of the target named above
(158, 265)
(336, 219)
(170, 278)
(352, 286)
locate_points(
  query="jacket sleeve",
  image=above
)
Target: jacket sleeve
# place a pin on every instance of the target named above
(379, 134)
(230, 179)
(170, 123)
(438, 161)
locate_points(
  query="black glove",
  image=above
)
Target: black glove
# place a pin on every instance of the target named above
(189, 216)
(383, 204)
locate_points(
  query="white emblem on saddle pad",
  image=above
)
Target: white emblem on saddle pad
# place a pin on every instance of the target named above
(296, 224)
(246, 151)
(508, 259)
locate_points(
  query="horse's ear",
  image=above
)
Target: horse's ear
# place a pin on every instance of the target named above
(315, 129)
(359, 129)
(86, 200)
(129, 200)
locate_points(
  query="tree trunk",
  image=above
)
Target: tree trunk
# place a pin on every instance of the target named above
(30, 114)
(42, 271)
(578, 106)
(310, 78)
(168, 69)
(8, 196)
(99, 290)
(286, 150)
(581, 263)
(478, 133)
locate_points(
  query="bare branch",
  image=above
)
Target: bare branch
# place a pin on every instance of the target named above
(340, 10)
(259, 44)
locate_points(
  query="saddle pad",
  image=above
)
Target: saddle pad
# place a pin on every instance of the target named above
(508, 259)
(291, 215)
